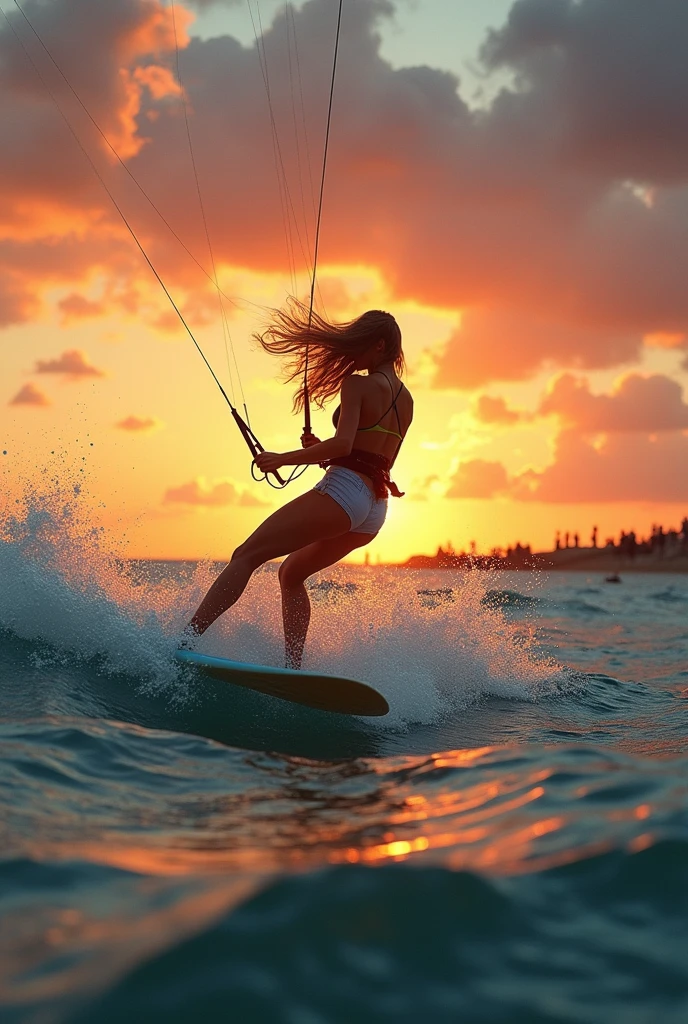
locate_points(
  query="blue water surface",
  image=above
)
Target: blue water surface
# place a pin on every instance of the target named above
(509, 844)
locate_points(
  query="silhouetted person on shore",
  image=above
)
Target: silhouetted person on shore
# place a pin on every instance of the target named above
(576, 540)
(660, 541)
(557, 540)
(566, 540)
(594, 536)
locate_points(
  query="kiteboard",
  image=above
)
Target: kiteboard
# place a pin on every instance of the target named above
(315, 690)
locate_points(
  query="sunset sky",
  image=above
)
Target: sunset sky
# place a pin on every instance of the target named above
(510, 179)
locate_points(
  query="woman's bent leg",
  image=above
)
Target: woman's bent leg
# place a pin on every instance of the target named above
(294, 570)
(224, 592)
(290, 528)
(296, 616)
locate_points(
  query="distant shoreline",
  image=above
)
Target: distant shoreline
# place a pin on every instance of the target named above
(598, 560)
(571, 560)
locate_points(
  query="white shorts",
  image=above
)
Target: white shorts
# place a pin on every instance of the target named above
(366, 512)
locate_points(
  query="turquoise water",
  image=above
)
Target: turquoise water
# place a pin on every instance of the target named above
(509, 844)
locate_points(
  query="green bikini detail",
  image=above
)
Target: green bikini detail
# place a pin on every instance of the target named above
(372, 464)
(376, 426)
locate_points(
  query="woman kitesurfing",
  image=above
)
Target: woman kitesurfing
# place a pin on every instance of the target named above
(362, 361)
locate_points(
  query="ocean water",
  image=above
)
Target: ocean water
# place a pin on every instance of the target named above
(510, 844)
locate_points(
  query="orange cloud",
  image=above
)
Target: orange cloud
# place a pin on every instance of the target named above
(73, 364)
(626, 467)
(216, 495)
(660, 340)
(637, 403)
(167, 322)
(528, 215)
(628, 445)
(160, 81)
(478, 478)
(138, 424)
(30, 395)
(498, 344)
(643, 403)
(77, 307)
(495, 410)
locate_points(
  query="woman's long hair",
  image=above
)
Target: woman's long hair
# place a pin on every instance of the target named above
(327, 349)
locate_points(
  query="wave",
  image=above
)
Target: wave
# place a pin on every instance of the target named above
(670, 596)
(91, 614)
(575, 607)
(147, 872)
(351, 943)
(432, 944)
(121, 795)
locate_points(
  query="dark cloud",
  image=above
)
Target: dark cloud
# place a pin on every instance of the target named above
(73, 364)
(613, 76)
(29, 394)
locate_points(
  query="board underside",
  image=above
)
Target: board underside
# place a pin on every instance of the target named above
(323, 692)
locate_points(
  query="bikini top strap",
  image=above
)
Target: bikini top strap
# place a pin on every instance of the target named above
(394, 401)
